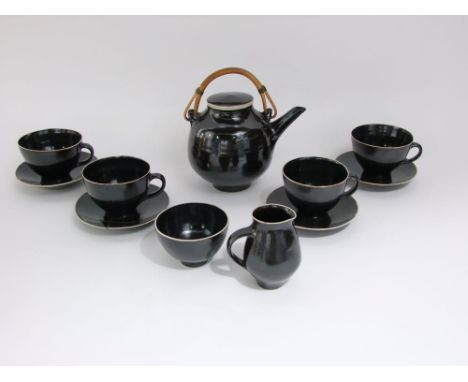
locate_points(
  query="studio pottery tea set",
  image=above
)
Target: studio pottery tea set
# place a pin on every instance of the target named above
(230, 145)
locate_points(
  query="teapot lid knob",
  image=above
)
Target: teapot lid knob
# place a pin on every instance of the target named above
(230, 101)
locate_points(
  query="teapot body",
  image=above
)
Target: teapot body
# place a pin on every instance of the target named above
(230, 143)
(230, 148)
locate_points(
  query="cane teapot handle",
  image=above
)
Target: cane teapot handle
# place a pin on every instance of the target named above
(196, 98)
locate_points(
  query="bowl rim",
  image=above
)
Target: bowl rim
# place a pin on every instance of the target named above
(191, 240)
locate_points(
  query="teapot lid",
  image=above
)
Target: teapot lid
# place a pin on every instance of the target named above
(230, 101)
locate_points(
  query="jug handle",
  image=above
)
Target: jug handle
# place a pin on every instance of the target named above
(196, 98)
(247, 231)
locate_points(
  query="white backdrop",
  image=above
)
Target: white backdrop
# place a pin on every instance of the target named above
(391, 288)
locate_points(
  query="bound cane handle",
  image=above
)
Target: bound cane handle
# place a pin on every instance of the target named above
(196, 98)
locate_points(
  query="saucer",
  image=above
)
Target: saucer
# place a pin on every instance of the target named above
(339, 216)
(90, 213)
(397, 177)
(25, 174)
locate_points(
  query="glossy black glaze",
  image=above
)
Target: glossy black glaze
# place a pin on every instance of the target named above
(231, 148)
(192, 232)
(271, 252)
(230, 99)
(120, 183)
(380, 148)
(398, 176)
(339, 216)
(316, 184)
(26, 174)
(145, 212)
(54, 152)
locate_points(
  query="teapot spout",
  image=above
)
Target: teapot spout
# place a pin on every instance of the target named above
(281, 124)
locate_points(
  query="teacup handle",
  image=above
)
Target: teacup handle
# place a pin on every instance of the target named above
(353, 188)
(420, 150)
(247, 231)
(88, 147)
(160, 177)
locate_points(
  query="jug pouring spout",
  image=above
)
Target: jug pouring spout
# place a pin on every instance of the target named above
(282, 123)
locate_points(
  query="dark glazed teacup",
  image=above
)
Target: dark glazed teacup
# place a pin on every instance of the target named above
(381, 148)
(53, 152)
(192, 232)
(316, 184)
(118, 184)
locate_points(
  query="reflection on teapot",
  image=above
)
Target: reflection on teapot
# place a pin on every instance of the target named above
(231, 142)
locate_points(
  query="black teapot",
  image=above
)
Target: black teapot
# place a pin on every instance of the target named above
(230, 142)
